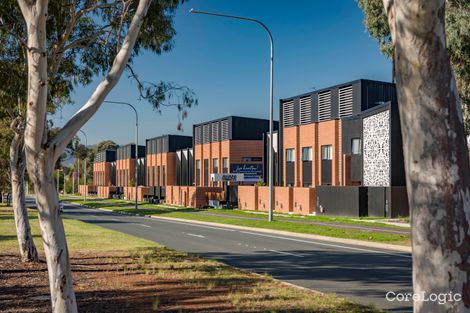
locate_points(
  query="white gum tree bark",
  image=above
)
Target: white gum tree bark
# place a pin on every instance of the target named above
(435, 151)
(42, 154)
(28, 250)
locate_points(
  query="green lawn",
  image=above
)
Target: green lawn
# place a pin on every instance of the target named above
(80, 236)
(244, 290)
(188, 213)
(362, 221)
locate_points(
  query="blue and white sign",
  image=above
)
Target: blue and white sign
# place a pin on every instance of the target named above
(227, 177)
(252, 172)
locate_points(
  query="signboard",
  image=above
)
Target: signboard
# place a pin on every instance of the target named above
(227, 177)
(252, 172)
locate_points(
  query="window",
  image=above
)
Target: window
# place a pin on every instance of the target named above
(215, 165)
(158, 176)
(290, 155)
(153, 175)
(164, 176)
(307, 154)
(198, 172)
(225, 165)
(326, 152)
(356, 146)
(206, 172)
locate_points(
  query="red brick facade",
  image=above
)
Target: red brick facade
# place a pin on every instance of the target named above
(102, 174)
(160, 169)
(215, 152)
(315, 136)
(125, 172)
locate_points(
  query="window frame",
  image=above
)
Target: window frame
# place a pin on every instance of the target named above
(309, 154)
(327, 152)
(358, 152)
(291, 152)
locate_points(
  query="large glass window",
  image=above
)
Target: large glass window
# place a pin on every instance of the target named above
(356, 146)
(326, 152)
(198, 172)
(290, 155)
(225, 165)
(215, 165)
(307, 154)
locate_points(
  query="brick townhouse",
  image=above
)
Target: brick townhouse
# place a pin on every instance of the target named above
(231, 144)
(162, 155)
(125, 165)
(345, 141)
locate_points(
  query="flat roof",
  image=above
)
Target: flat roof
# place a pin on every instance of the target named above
(335, 86)
(232, 116)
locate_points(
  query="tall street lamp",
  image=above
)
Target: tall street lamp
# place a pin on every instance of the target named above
(271, 64)
(85, 172)
(136, 147)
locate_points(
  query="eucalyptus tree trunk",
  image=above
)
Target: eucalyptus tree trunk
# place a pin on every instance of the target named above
(28, 250)
(436, 154)
(41, 153)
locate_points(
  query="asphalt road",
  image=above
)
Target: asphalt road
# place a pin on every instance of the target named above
(359, 273)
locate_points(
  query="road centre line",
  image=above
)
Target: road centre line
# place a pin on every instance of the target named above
(287, 253)
(194, 235)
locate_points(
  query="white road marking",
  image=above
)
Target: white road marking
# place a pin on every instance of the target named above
(287, 253)
(114, 219)
(194, 235)
(143, 225)
(327, 244)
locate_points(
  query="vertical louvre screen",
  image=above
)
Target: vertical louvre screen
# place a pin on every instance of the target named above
(324, 106)
(206, 133)
(224, 126)
(305, 110)
(197, 135)
(288, 113)
(215, 132)
(345, 101)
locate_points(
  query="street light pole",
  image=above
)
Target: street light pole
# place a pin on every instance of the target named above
(136, 147)
(271, 98)
(85, 172)
(58, 173)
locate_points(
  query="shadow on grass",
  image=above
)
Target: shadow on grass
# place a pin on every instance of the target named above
(13, 237)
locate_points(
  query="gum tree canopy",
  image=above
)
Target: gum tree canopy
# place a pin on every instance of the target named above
(457, 28)
(65, 44)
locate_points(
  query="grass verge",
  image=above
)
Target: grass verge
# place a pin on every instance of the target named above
(155, 266)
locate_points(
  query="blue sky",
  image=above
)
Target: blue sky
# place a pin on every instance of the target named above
(317, 44)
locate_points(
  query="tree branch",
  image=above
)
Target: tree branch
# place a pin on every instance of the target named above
(59, 142)
(7, 29)
(60, 49)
